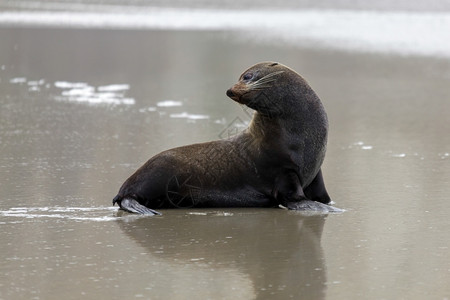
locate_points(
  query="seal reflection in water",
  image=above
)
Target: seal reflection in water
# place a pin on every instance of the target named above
(275, 162)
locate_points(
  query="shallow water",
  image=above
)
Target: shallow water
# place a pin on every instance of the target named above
(82, 109)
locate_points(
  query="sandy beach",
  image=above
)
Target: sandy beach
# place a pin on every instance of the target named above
(82, 108)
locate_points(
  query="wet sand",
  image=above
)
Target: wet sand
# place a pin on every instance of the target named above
(82, 109)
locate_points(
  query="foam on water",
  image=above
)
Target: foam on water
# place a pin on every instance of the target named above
(114, 88)
(84, 93)
(406, 33)
(81, 92)
(96, 214)
(70, 85)
(112, 94)
(186, 115)
(169, 103)
(18, 80)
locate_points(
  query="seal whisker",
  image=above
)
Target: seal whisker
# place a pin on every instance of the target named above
(264, 81)
(267, 79)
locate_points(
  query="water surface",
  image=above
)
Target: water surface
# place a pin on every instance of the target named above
(82, 109)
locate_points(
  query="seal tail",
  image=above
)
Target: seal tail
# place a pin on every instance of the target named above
(132, 206)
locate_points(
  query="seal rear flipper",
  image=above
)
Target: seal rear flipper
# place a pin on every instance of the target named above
(131, 205)
(312, 206)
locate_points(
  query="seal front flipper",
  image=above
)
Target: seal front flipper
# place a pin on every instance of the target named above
(312, 206)
(131, 205)
(289, 193)
(287, 188)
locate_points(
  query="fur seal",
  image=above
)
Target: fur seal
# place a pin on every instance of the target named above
(276, 161)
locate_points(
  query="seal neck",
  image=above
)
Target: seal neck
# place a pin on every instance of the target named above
(272, 129)
(263, 127)
(289, 135)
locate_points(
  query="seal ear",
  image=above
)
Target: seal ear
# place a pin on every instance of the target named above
(273, 64)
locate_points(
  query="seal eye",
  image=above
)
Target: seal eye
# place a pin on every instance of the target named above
(247, 76)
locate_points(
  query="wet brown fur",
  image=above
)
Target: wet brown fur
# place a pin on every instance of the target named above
(276, 160)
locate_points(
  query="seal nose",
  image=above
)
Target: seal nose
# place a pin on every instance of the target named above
(230, 93)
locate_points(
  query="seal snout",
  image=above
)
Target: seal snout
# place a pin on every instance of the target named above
(230, 93)
(235, 94)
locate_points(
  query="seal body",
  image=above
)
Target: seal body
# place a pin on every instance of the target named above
(275, 161)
